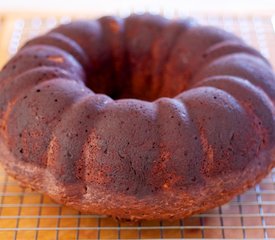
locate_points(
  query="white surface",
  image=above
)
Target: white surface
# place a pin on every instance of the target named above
(87, 6)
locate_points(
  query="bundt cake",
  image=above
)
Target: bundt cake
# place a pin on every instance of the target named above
(137, 118)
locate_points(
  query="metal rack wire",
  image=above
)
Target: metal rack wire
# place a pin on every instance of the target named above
(30, 215)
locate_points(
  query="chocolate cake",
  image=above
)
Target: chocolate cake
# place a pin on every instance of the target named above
(138, 118)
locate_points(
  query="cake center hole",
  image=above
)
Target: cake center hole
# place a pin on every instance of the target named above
(138, 85)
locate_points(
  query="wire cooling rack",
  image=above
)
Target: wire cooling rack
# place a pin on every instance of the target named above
(30, 215)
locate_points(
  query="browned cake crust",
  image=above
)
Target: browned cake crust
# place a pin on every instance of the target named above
(160, 157)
